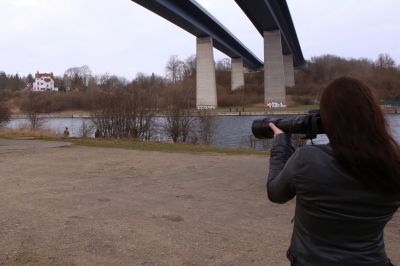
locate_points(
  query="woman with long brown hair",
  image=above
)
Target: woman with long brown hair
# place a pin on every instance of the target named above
(346, 191)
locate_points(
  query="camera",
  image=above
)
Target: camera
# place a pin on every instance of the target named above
(310, 125)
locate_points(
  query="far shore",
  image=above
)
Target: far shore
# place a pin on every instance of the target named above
(217, 112)
(239, 113)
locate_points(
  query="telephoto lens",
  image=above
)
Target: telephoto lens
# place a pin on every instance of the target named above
(310, 125)
(261, 129)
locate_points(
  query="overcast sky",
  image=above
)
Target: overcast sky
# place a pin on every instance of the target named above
(122, 38)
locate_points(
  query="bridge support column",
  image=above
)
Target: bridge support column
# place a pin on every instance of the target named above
(274, 73)
(206, 89)
(289, 70)
(237, 73)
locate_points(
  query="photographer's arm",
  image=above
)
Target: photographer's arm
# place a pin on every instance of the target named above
(280, 183)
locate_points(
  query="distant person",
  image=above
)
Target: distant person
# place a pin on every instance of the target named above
(97, 133)
(346, 191)
(66, 132)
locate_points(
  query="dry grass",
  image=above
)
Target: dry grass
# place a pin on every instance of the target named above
(260, 108)
(163, 147)
(26, 132)
(128, 144)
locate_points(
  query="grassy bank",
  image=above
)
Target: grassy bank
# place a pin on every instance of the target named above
(27, 133)
(259, 108)
(163, 147)
(127, 144)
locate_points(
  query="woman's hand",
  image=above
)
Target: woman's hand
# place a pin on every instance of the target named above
(276, 129)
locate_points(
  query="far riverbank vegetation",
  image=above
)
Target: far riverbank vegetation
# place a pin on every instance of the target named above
(126, 109)
(42, 134)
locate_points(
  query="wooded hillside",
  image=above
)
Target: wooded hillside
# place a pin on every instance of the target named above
(78, 86)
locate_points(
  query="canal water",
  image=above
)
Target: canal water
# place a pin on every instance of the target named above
(231, 131)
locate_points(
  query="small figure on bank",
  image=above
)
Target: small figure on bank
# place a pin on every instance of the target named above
(97, 133)
(66, 132)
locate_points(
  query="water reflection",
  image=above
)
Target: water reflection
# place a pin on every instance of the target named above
(231, 131)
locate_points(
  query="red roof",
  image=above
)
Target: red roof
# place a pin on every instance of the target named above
(43, 75)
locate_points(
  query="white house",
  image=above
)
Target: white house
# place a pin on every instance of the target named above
(44, 82)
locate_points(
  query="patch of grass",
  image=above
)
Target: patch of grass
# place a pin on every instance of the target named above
(127, 144)
(26, 132)
(300, 108)
(161, 146)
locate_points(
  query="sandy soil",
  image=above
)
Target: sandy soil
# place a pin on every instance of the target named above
(69, 205)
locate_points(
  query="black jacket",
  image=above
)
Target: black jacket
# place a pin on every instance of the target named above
(337, 221)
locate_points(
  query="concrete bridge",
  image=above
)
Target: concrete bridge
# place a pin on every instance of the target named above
(271, 18)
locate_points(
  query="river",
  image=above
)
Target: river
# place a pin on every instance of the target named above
(231, 131)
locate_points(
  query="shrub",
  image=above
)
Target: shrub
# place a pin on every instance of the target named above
(4, 114)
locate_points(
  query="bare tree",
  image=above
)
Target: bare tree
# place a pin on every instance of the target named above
(223, 64)
(385, 61)
(86, 129)
(189, 67)
(174, 68)
(4, 114)
(77, 77)
(111, 82)
(206, 126)
(123, 114)
(179, 123)
(33, 107)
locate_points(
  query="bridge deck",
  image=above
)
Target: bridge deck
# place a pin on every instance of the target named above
(191, 17)
(268, 15)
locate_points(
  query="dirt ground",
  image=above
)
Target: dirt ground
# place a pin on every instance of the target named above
(68, 205)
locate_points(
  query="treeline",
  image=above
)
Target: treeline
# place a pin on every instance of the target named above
(78, 86)
(382, 74)
(13, 82)
(122, 108)
(130, 113)
(129, 109)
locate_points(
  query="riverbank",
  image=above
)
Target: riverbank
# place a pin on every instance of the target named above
(217, 112)
(128, 144)
(75, 205)
(231, 131)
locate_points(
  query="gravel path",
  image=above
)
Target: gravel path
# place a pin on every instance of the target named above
(62, 204)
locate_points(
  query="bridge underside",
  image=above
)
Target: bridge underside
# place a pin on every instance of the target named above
(282, 50)
(273, 15)
(191, 17)
(271, 18)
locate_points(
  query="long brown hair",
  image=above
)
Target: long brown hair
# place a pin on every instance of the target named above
(359, 134)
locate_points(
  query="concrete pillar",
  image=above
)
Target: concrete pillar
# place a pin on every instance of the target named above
(237, 73)
(274, 74)
(206, 88)
(289, 70)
